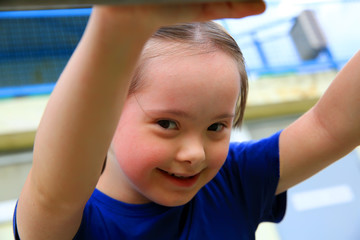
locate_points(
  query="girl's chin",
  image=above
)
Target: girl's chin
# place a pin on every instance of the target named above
(173, 201)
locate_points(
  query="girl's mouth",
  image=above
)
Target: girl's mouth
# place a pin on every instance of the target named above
(182, 180)
(177, 175)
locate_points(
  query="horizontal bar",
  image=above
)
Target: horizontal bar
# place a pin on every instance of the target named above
(45, 13)
(53, 4)
(26, 90)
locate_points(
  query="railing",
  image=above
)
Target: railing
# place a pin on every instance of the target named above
(35, 46)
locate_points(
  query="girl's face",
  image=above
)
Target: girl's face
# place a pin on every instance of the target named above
(173, 135)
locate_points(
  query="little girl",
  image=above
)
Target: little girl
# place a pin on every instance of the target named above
(134, 143)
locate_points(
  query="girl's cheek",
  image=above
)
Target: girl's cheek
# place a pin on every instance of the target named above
(218, 156)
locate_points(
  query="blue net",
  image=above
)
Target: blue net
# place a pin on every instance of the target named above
(35, 46)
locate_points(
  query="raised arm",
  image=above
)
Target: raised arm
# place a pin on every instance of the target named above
(76, 128)
(329, 131)
(83, 110)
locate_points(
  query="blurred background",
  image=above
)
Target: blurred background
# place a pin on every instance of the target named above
(292, 52)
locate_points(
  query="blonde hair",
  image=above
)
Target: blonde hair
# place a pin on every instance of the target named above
(200, 37)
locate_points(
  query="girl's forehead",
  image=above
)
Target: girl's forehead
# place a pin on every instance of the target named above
(186, 62)
(159, 56)
(213, 74)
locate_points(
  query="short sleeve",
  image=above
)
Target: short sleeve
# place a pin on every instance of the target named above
(15, 230)
(256, 165)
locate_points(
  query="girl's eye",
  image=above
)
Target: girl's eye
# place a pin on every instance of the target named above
(167, 124)
(216, 127)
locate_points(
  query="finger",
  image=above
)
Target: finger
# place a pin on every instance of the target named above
(174, 13)
(165, 14)
(231, 10)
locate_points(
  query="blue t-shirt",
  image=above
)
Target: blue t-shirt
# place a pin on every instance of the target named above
(230, 206)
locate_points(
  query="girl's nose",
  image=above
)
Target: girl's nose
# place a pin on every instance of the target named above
(191, 151)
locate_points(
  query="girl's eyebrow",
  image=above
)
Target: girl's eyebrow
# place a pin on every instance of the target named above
(225, 116)
(174, 112)
(184, 114)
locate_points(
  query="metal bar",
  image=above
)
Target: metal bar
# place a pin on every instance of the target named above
(260, 50)
(58, 4)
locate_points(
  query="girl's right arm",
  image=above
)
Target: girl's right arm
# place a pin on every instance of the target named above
(82, 113)
(77, 127)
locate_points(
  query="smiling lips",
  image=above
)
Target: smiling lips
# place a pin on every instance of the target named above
(181, 180)
(181, 176)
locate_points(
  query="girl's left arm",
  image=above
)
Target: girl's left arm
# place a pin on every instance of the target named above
(326, 133)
